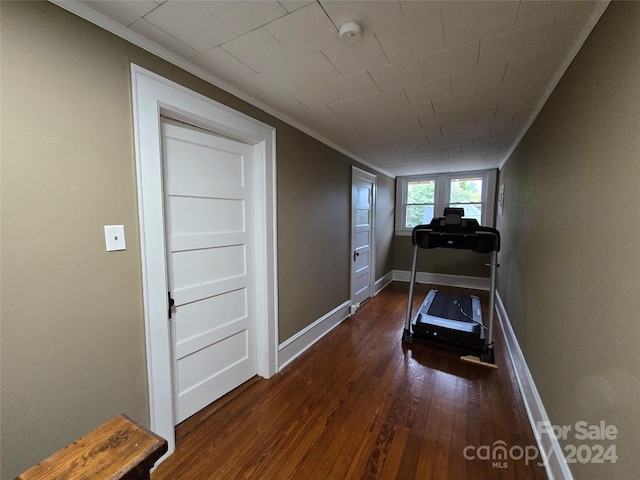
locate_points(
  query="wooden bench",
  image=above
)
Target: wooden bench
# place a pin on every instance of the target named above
(119, 449)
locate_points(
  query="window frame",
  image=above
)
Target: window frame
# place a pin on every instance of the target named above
(443, 192)
(427, 178)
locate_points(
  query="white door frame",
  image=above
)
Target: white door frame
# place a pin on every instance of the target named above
(154, 95)
(359, 173)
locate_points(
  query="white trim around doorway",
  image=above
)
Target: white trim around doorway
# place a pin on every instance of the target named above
(154, 96)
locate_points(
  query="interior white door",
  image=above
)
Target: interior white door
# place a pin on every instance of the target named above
(362, 210)
(209, 250)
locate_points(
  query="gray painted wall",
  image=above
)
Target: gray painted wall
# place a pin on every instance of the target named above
(440, 260)
(571, 228)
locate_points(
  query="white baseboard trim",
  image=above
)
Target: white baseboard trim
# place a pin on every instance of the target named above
(477, 283)
(548, 445)
(382, 282)
(293, 347)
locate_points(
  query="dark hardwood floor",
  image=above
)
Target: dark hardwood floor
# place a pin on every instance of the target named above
(360, 404)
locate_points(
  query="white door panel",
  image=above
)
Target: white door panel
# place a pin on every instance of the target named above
(198, 318)
(209, 253)
(362, 211)
(218, 356)
(204, 341)
(189, 161)
(226, 361)
(203, 240)
(191, 215)
(206, 265)
(199, 292)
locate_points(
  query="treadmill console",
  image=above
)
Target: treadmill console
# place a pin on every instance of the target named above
(454, 231)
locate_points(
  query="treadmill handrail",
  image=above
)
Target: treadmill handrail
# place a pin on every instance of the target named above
(468, 236)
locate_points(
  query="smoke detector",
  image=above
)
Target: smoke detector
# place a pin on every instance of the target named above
(350, 32)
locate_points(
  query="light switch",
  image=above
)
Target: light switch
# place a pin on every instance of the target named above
(114, 237)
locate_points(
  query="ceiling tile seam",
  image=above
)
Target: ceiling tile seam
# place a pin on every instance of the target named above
(268, 33)
(406, 96)
(221, 47)
(363, 121)
(404, 15)
(300, 103)
(333, 64)
(546, 39)
(444, 40)
(386, 57)
(294, 10)
(504, 74)
(515, 20)
(284, 46)
(357, 130)
(374, 81)
(165, 32)
(251, 31)
(330, 19)
(350, 98)
(236, 37)
(158, 5)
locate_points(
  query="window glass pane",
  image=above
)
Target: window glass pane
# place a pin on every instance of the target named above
(421, 191)
(466, 190)
(471, 210)
(418, 215)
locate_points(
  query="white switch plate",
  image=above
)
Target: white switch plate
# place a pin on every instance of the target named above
(114, 237)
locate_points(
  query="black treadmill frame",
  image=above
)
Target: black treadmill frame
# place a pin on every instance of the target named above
(453, 231)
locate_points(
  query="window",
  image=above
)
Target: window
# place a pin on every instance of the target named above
(420, 202)
(467, 193)
(419, 198)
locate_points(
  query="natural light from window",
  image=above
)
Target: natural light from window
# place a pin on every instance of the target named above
(420, 198)
(467, 193)
(420, 202)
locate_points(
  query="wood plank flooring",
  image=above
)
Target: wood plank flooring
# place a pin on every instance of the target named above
(360, 404)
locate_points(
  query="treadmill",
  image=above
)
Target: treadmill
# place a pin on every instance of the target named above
(454, 321)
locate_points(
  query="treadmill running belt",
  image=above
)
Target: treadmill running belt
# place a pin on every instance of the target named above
(443, 306)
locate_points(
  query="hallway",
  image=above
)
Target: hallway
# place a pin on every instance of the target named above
(360, 404)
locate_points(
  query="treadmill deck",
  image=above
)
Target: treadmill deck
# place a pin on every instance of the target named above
(454, 320)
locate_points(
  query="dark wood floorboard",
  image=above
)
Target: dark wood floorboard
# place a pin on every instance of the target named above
(360, 404)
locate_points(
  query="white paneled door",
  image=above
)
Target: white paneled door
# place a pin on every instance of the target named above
(362, 211)
(209, 253)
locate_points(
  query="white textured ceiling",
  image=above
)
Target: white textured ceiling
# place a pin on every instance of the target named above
(430, 86)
